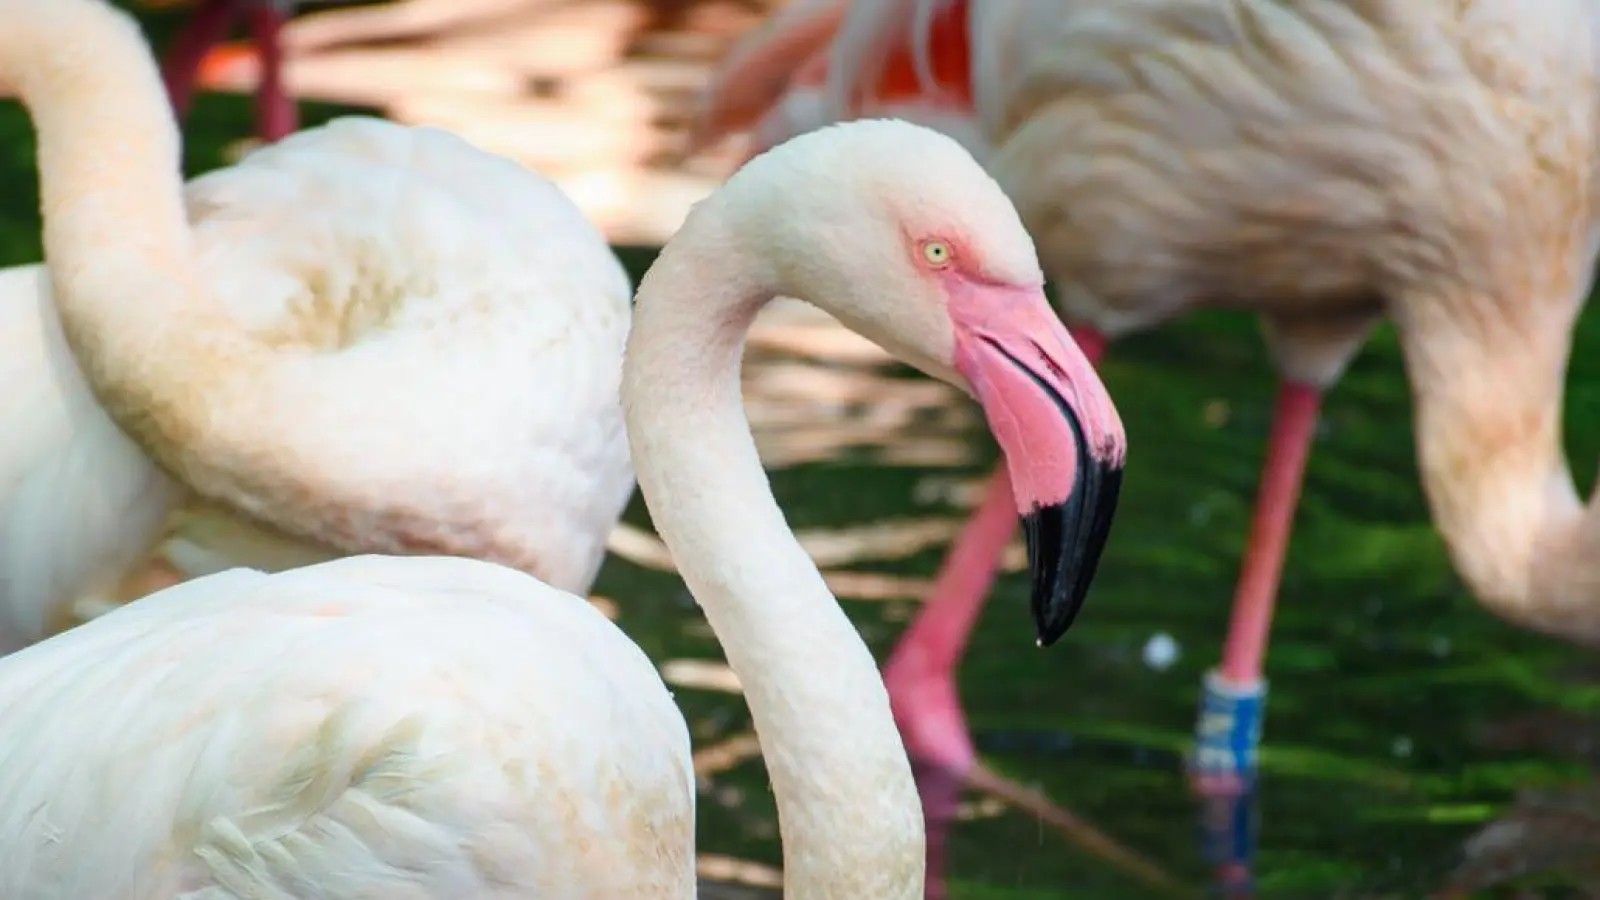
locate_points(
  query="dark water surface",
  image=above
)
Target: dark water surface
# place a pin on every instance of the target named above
(1402, 720)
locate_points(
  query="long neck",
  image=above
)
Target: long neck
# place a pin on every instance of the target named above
(847, 807)
(1487, 380)
(115, 233)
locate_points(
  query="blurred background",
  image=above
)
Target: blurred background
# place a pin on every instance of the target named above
(1414, 746)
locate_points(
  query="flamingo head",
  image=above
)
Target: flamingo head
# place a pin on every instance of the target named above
(922, 252)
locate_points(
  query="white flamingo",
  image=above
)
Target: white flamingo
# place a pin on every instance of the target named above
(386, 341)
(432, 727)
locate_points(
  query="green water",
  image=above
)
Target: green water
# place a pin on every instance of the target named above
(1388, 740)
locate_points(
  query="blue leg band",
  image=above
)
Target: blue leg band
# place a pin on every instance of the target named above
(1229, 728)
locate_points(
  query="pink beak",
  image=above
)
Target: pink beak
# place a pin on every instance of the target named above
(1060, 433)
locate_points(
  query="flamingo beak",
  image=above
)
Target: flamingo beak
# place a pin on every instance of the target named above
(1060, 433)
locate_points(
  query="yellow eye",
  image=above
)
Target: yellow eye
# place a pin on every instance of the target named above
(937, 253)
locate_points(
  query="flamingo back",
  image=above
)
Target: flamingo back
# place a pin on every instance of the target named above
(1311, 158)
(447, 331)
(424, 727)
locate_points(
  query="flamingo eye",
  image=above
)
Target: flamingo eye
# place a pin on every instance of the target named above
(936, 253)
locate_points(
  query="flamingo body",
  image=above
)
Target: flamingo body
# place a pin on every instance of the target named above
(457, 327)
(370, 724)
(80, 503)
(455, 332)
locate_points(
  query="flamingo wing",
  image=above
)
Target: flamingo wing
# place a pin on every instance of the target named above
(415, 727)
(756, 73)
(79, 502)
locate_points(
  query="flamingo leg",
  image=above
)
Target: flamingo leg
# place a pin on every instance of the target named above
(277, 115)
(206, 27)
(1229, 727)
(920, 673)
(1228, 827)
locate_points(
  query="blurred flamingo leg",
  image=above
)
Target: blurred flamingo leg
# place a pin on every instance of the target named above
(277, 116)
(756, 75)
(1231, 707)
(1228, 828)
(200, 45)
(920, 673)
(206, 27)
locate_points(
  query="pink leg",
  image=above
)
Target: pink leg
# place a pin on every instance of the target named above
(277, 116)
(1230, 717)
(206, 27)
(1294, 424)
(920, 673)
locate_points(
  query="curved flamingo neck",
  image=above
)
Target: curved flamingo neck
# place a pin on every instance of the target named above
(1487, 380)
(116, 235)
(847, 807)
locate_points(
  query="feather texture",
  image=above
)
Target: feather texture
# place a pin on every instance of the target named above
(448, 311)
(369, 724)
(79, 502)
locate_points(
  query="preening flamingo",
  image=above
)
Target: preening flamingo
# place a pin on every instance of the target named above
(1321, 163)
(383, 340)
(277, 115)
(443, 727)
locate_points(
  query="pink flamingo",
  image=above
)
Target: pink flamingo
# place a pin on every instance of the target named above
(276, 113)
(752, 90)
(1322, 163)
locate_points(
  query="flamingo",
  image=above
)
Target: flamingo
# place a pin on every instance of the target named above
(277, 115)
(1324, 164)
(393, 342)
(778, 81)
(436, 727)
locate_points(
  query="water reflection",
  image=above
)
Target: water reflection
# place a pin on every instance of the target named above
(1545, 831)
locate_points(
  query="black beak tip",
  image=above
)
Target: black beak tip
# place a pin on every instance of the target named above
(1052, 626)
(1056, 601)
(1065, 542)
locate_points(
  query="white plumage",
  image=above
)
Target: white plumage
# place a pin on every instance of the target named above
(403, 727)
(423, 727)
(445, 335)
(80, 503)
